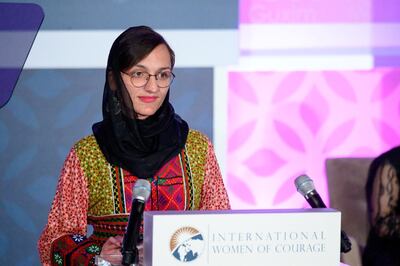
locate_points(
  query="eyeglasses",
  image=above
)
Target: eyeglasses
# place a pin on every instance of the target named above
(140, 78)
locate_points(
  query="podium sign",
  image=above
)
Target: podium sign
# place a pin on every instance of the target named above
(248, 237)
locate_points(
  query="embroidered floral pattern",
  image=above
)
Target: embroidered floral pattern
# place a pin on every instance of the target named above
(58, 259)
(78, 238)
(93, 249)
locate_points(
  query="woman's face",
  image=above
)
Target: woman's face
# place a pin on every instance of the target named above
(148, 98)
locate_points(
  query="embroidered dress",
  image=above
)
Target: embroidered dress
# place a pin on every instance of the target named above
(93, 192)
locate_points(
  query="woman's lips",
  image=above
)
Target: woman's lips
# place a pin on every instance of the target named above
(148, 99)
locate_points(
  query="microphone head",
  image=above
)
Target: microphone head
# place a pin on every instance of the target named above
(142, 189)
(304, 185)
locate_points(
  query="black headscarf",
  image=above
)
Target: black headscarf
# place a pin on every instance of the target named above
(140, 146)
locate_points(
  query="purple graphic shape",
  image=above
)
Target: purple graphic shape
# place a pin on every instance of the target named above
(19, 24)
(385, 11)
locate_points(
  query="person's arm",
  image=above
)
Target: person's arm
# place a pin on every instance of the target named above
(213, 195)
(68, 214)
(385, 218)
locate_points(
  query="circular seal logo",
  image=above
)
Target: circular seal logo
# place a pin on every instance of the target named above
(186, 244)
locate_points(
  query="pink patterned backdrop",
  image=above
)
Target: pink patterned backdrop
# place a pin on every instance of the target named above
(283, 124)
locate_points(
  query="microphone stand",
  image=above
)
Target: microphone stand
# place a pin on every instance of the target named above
(130, 257)
(305, 186)
(130, 254)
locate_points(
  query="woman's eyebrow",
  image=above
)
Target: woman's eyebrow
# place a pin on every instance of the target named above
(139, 66)
(144, 67)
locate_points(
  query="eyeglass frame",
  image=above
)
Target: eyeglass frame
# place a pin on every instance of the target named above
(148, 78)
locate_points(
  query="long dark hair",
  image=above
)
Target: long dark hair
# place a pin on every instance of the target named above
(392, 157)
(134, 44)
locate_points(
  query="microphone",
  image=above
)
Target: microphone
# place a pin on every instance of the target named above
(141, 192)
(305, 186)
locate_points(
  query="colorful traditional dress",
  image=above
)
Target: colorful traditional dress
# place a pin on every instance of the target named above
(93, 192)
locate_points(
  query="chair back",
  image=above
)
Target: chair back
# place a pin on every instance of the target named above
(347, 178)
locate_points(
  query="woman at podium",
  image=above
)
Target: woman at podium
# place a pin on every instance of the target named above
(140, 137)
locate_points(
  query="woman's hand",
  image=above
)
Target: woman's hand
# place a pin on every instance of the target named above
(111, 250)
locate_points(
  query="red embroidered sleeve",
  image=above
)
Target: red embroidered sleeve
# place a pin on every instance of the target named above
(68, 214)
(213, 195)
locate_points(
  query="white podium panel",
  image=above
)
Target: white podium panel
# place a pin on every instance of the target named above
(246, 238)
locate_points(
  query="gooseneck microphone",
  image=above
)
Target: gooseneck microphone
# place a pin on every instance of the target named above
(141, 192)
(305, 186)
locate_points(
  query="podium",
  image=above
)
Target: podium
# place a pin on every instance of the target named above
(292, 237)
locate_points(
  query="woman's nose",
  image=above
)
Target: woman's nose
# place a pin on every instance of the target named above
(151, 84)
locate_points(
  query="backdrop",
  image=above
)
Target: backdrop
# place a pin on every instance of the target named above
(279, 86)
